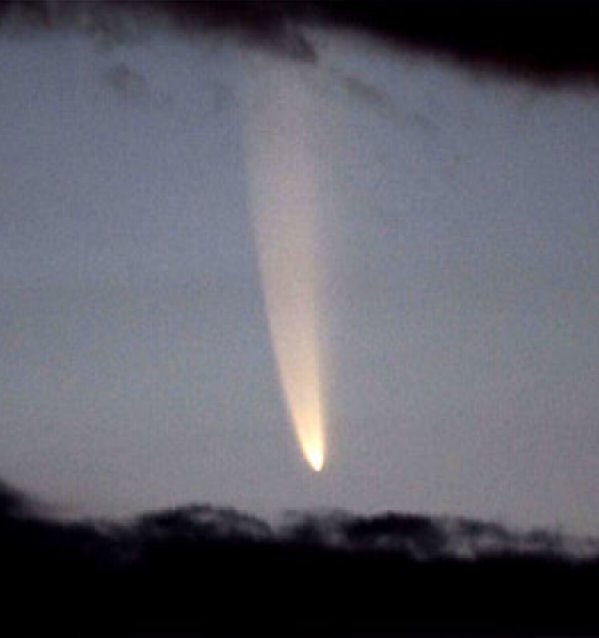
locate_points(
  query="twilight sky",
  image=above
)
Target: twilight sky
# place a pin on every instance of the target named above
(456, 250)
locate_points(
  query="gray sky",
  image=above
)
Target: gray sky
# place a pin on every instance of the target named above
(459, 255)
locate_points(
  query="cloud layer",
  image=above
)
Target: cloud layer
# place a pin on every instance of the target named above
(203, 569)
(554, 43)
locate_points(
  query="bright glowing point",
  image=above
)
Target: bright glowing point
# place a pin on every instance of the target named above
(315, 457)
(284, 201)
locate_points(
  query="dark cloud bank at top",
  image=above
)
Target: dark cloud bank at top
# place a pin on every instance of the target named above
(202, 569)
(552, 41)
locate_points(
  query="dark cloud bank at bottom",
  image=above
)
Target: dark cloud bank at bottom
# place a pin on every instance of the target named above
(205, 570)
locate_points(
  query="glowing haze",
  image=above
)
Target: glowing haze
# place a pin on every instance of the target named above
(284, 201)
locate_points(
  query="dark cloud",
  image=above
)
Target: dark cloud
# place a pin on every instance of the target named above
(205, 521)
(549, 41)
(12, 502)
(367, 93)
(545, 41)
(127, 82)
(273, 26)
(202, 569)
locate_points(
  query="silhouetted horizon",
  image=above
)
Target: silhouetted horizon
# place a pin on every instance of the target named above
(204, 569)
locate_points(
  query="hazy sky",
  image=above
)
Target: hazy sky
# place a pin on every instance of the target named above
(457, 250)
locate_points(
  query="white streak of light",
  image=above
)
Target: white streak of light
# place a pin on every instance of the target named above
(282, 170)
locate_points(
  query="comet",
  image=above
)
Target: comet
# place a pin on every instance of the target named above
(283, 195)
